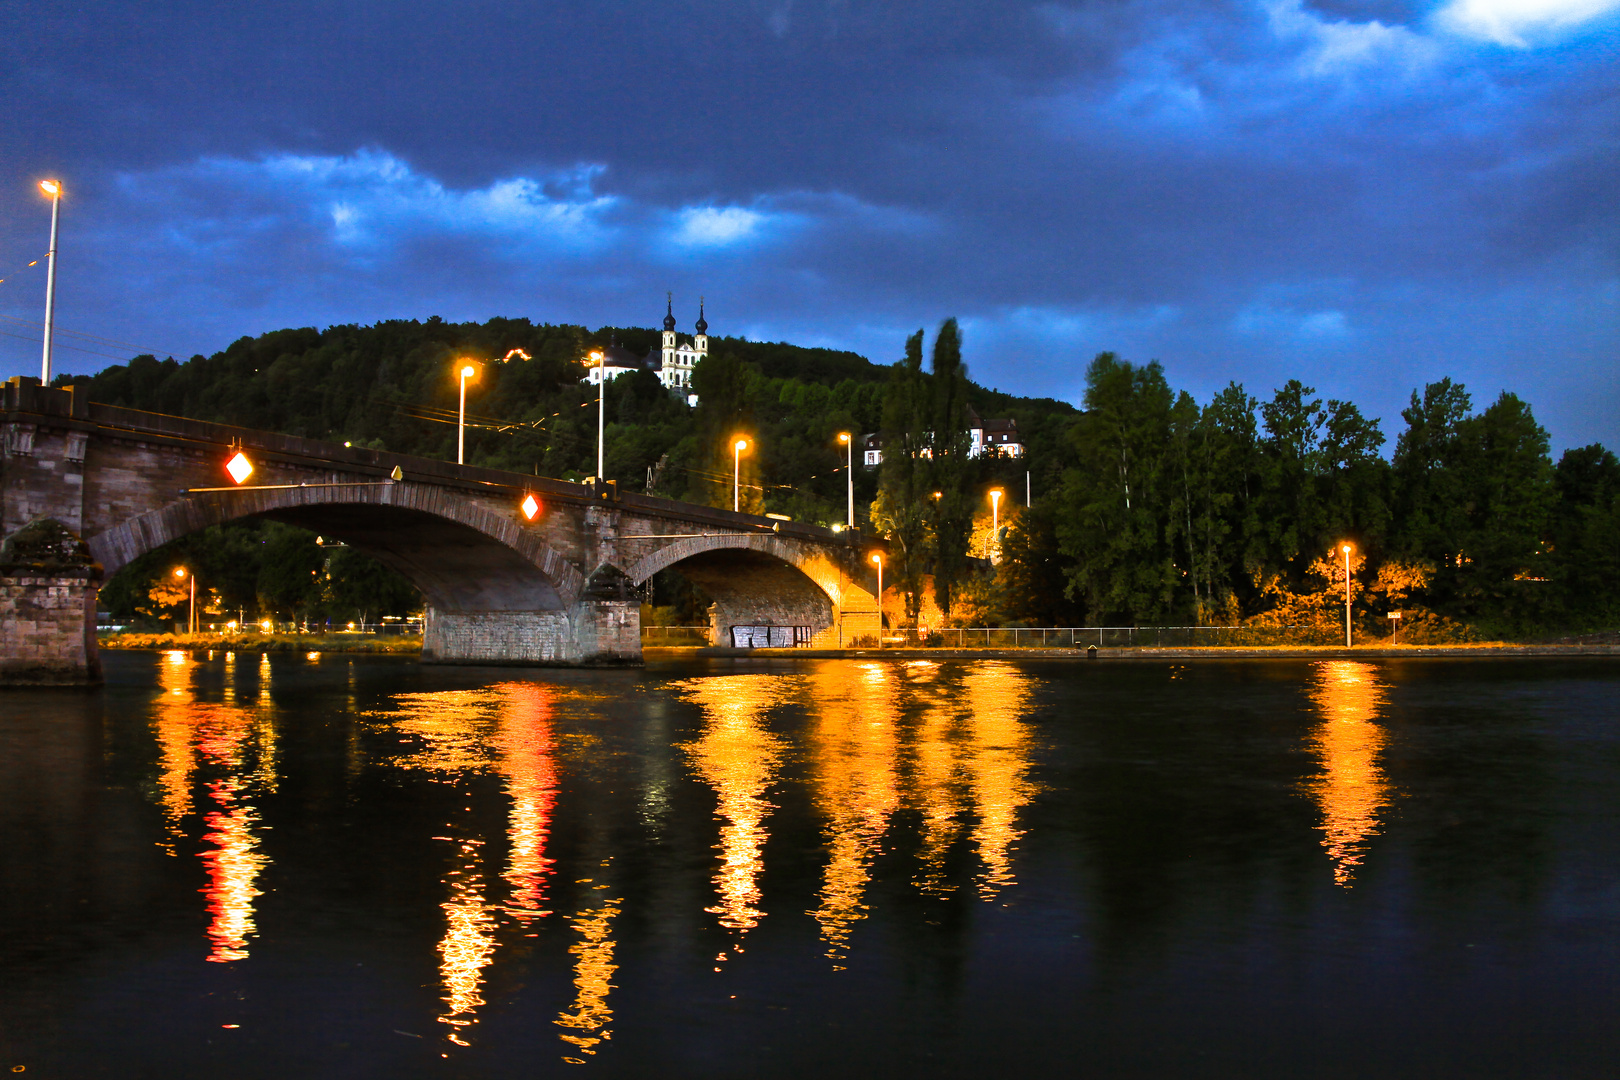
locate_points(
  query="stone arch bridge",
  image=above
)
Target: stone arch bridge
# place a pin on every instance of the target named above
(562, 588)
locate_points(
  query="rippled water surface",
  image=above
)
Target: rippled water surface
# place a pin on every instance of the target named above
(238, 866)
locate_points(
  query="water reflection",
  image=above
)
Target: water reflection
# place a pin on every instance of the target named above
(468, 944)
(854, 742)
(593, 973)
(236, 748)
(1350, 789)
(738, 757)
(996, 759)
(453, 735)
(528, 762)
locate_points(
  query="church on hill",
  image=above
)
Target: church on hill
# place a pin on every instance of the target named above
(673, 359)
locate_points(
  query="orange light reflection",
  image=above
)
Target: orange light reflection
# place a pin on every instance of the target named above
(1351, 787)
(738, 757)
(854, 744)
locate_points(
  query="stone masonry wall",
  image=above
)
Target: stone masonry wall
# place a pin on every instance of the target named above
(48, 632)
(497, 637)
(607, 631)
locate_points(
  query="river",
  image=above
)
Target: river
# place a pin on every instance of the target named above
(226, 865)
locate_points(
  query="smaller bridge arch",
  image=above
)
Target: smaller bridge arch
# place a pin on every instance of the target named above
(767, 579)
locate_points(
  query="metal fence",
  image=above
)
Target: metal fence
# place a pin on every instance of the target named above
(1080, 637)
(674, 635)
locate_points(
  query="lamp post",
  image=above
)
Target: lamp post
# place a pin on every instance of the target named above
(849, 466)
(995, 518)
(467, 372)
(736, 474)
(601, 412)
(53, 188)
(1346, 549)
(877, 557)
(191, 611)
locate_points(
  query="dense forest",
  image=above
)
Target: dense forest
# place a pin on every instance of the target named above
(1149, 508)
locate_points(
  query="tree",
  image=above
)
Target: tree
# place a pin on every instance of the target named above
(1114, 518)
(949, 471)
(901, 508)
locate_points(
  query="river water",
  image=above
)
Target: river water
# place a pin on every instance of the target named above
(327, 866)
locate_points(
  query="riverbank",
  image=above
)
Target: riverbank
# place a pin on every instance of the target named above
(1482, 651)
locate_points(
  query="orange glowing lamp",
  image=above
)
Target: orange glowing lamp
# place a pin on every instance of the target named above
(530, 507)
(239, 467)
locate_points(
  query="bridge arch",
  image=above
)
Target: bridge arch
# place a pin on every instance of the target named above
(761, 578)
(463, 556)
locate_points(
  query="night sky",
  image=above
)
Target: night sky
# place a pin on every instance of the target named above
(1365, 194)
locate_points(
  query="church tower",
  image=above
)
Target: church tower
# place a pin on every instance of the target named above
(701, 341)
(669, 331)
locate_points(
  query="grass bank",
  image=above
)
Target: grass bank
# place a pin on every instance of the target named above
(404, 644)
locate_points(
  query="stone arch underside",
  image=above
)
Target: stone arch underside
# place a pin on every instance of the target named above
(460, 555)
(762, 580)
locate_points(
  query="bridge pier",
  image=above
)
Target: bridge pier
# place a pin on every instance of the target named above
(48, 588)
(589, 633)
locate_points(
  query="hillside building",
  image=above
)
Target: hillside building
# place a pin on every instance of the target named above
(673, 359)
(998, 438)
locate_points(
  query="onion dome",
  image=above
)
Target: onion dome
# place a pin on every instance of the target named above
(702, 325)
(669, 312)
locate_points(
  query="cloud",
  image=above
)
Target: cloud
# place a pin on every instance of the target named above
(716, 226)
(1264, 319)
(1520, 22)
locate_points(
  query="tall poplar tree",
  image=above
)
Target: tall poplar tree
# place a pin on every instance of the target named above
(949, 469)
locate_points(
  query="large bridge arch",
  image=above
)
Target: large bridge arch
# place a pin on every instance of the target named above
(462, 556)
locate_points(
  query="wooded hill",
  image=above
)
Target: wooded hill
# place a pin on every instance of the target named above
(1149, 507)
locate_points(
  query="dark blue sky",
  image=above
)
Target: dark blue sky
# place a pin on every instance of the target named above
(1366, 194)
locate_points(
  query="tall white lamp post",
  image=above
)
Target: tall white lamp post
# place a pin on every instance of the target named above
(736, 474)
(877, 557)
(848, 440)
(53, 188)
(601, 413)
(1346, 549)
(191, 612)
(467, 372)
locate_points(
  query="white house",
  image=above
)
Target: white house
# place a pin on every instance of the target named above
(999, 438)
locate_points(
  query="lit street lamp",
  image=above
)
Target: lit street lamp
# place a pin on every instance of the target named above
(877, 557)
(467, 372)
(53, 188)
(601, 411)
(1346, 549)
(849, 441)
(736, 475)
(191, 611)
(995, 518)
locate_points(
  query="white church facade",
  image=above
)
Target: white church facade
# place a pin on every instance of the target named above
(673, 359)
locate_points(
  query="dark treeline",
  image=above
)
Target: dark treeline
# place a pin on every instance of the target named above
(1149, 507)
(1236, 512)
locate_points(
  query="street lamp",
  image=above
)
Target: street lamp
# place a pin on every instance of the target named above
(995, 517)
(601, 410)
(467, 372)
(1346, 549)
(736, 474)
(191, 611)
(53, 188)
(877, 557)
(845, 438)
